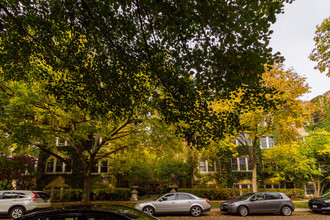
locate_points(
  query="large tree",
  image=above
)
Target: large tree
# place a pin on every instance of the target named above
(99, 66)
(281, 122)
(183, 49)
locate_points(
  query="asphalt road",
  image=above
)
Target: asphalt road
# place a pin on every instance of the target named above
(299, 214)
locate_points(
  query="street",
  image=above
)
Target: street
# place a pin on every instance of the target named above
(300, 214)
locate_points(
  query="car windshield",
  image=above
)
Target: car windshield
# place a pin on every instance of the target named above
(245, 196)
(327, 195)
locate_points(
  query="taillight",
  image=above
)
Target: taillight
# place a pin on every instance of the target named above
(290, 200)
(208, 201)
(35, 196)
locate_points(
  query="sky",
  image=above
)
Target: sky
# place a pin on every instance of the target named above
(293, 38)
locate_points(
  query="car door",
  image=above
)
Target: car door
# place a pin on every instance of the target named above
(183, 202)
(274, 201)
(7, 200)
(166, 204)
(257, 203)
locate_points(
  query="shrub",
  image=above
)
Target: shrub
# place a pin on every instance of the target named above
(61, 195)
(111, 194)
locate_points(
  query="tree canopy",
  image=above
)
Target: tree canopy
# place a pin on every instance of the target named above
(320, 53)
(117, 56)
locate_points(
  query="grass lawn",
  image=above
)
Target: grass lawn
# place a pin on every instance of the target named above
(214, 204)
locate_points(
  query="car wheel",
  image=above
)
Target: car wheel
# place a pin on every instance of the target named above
(16, 212)
(149, 210)
(286, 210)
(243, 211)
(196, 211)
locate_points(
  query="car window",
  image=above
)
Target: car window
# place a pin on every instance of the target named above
(43, 195)
(169, 197)
(184, 197)
(259, 197)
(10, 195)
(274, 196)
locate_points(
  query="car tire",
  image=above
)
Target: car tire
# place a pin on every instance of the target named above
(242, 211)
(16, 212)
(196, 211)
(286, 210)
(149, 210)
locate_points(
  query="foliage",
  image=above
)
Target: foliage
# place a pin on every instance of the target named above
(303, 160)
(321, 117)
(172, 170)
(115, 194)
(281, 121)
(61, 195)
(116, 56)
(18, 172)
(320, 53)
(230, 193)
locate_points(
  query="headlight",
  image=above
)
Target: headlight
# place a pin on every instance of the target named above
(327, 201)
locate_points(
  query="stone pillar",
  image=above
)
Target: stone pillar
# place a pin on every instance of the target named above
(134, 193)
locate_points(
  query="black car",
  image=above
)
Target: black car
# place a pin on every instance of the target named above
(321, 204)
(92, 212)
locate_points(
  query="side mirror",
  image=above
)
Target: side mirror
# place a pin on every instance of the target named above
(252, 199)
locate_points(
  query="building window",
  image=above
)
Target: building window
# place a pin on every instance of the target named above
(202, 166)
(59, 166)
(206, 167)
(234, 164)
(100, 167)
(53, 166)
(242, 186)
(241, 164)
(50, 166)
(104, 166)
(266, 142)
(61, 142)
(310, 189)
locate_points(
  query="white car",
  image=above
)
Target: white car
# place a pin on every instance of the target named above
(16, 203)
(172, 203)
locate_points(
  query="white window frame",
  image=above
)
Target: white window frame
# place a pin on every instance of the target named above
(268, 141)
(58, 142)
(207, 166)
(54, 167)
(239, 164)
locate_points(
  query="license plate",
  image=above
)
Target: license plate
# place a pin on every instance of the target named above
(314, 206)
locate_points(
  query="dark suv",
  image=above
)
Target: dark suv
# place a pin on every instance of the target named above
(16, 203)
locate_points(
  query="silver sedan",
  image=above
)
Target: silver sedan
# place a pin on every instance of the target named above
(172, 203)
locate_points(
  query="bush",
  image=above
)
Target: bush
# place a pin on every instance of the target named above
(214, 193)
(115, 194)
(64, 195)
(230, 193)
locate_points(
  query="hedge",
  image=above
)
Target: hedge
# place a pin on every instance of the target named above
(111, 194)
(67, 195)
(230, 193)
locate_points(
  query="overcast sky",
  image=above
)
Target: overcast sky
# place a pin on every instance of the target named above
(293, 38)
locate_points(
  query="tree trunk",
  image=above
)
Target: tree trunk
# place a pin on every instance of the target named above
(86, 188)
(254, 173)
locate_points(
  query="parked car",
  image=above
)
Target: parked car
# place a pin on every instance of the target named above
(95, 212)
(260, 202)
(321, 204)
(172, 203)
(16, 203)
